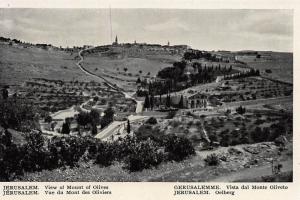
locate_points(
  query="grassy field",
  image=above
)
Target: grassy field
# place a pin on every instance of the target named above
(20, 64)
(281, 65)
(141, 63)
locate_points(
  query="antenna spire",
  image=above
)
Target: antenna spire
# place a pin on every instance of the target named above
(110, 24)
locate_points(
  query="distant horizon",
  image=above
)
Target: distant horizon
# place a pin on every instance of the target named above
(226, 29)
(153, 44)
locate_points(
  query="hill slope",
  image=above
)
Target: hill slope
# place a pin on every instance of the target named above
(20, 64)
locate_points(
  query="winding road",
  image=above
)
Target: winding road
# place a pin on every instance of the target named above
(139, 106)
(114, 126)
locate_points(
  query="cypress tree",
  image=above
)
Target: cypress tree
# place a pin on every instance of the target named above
(168, 101)
(151, 102)
(180, 104)
(65, 128)
(128, 126)
(94, 129)
(147, 102)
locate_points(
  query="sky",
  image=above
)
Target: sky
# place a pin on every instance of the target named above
(205, 29)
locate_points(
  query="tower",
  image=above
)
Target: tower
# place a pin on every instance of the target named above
(116, 41)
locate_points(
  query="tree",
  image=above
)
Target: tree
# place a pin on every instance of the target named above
(95, 117)
(108, 117)
(48, 119)
(151, 121)
(212, 160)
(128, 126)
(94, 129)
(256, 135)
(18, 114)
(168, 101)
(4, 93)
(178, 148)
(65, 128)
(147, 102)
(140, 71)
(180, 104)
(83, 118)
(240, 110)
(151, 102)
(125, 69)
(138, 81)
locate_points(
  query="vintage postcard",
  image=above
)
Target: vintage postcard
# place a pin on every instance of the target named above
(189, 101)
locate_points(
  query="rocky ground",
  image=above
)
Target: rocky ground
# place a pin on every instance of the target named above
(241, 162)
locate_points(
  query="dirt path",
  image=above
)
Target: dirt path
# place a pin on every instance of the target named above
(139, 106)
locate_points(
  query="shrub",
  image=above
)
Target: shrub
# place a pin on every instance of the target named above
(105, 155)
(18, 114)
(212, 160)
(35, 152)
(10, 154)
(240, 110)
(178, 148)
(48, 119)
(174, 123)
(65, 128)
(171, 115)
(147, 131)
(145, 155)
(151, 120)
(268, 71)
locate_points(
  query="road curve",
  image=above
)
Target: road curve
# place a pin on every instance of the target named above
(114, 126)
(139, 106)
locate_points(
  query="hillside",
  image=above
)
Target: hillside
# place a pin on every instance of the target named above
(280, 65)
(124, 64)
(19, 64)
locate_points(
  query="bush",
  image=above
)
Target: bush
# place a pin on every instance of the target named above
(240, 110)
(147, 131)
(18, 114)
(48, 119)
(144, 155)
(178, 148)
(268, 71)
(212, 160)
(65, 128)
(10, 165)
(171, 115)
(105, 155)
(35, 152)
(151, 120)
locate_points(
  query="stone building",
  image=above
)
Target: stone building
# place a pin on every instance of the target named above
(197, 100)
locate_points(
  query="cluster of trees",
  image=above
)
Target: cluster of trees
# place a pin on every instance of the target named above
(190, 55)
(18, 114)
(92, 119)
(89, 120)
(176, 79)
(40, 153)
(149, 102)
(252, 72)
(176, 148)
(241, 110)
(243, 136)
(4, 93)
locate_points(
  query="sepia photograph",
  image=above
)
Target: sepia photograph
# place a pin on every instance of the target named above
(146, 95)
